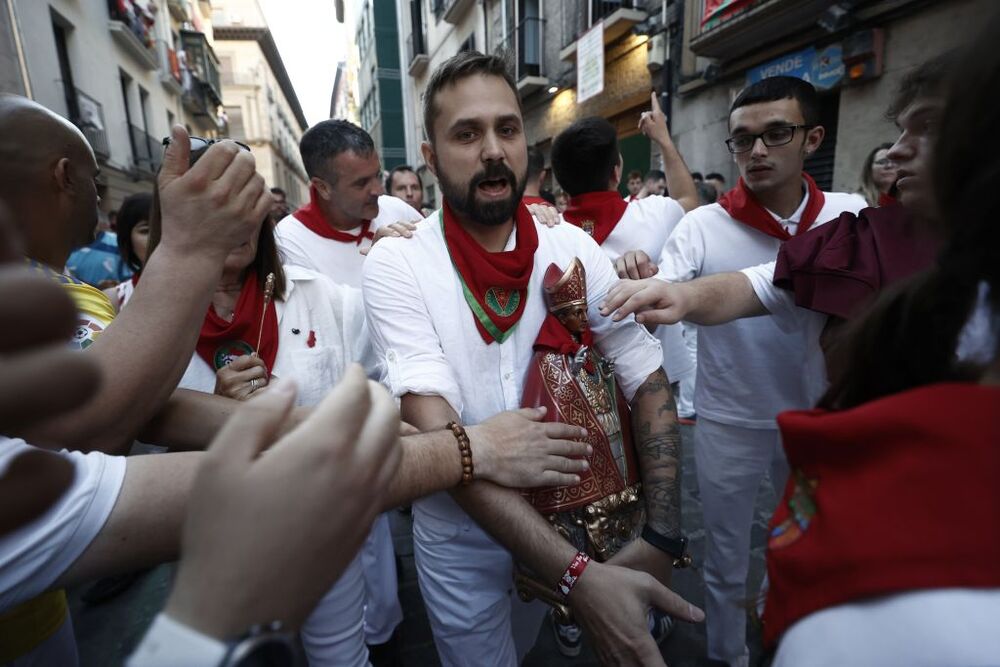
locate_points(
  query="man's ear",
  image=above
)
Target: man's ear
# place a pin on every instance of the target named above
(321, 188)
(814, 138)
(427, 151)
(62, 175)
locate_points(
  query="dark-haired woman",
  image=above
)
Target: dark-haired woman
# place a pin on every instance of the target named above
(132, 226)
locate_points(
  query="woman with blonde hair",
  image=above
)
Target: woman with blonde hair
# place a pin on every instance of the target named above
(878, 176)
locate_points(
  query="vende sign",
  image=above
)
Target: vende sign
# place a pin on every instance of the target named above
(824, 69)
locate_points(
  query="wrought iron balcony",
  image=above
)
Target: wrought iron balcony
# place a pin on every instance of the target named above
(133, 31)
(203, 64)
(526, 49)
(146, 150)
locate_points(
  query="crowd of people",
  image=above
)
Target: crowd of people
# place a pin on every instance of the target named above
(300, 373)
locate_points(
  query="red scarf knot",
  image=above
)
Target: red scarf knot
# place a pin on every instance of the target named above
(742, 205)
(312, 217)
(596, 213)
(220, 341)
(495, 284)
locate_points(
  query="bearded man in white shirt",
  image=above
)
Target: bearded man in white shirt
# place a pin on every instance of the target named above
(454, 312)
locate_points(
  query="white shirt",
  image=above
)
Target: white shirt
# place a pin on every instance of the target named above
(168, 643)
(339, 261)
(427, 343)
(313, 304)
(748, 370)
(646, 225)
(931, 628)
(35, 555)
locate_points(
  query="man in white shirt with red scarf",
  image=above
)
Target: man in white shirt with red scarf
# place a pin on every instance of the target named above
(749, 370)
(455, 312)
(347, 203)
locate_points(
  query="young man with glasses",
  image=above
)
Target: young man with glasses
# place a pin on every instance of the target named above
(749, 370)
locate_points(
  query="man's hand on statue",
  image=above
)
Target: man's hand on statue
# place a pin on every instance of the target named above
(635, 265)
(652, 300)
(295, 514)
(545, 214)
(653, 123)
(642, 556)
(518, 450)
(612, 603)
(404, 229)
(241, 378)
(214, 206)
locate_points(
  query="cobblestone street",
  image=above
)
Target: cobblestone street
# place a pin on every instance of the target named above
(108, 631)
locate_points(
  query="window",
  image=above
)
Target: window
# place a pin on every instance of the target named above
(236, 129)
(469, 44)
(59, 29)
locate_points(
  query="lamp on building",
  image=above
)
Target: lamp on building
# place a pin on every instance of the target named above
(711, 72)
(553, 90)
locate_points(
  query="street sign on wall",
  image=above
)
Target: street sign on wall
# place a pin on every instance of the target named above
(823, 68)
(590, 63)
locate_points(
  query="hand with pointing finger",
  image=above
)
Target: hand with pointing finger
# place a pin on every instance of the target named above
(653, 123)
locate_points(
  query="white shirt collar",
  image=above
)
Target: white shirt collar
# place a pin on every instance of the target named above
(795, 217)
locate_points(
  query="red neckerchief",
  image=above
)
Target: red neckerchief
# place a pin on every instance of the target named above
(554, 337)
(741, 204)
(596, 213)
(221, 341)
(135, 278)
(531, 199)
(495, 283)
(312, 217)
(885, 199)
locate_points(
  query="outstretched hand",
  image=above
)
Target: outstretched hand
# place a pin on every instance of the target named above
(293, 512)
(652, 300)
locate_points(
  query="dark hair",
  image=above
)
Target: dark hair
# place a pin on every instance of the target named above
(707, 194)
(278, 191)
(536, 162)
(267, 260)
(133, 210)
(396, 170)
(330, 138)
(908, 338)
(696, 176)
(927, 80)
(584, 156)
(462, 66)
(635, 173)
(776, 88)
(715, 176)
(654, 175)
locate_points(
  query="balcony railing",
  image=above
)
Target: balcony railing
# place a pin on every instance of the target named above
(752, 24)
(133, 30)
(203, 63)
(526, 49)
(90, 120)
(145, 150)
(170, 68)
(600, 9)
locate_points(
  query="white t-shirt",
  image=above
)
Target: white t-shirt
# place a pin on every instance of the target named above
(646, 225)
(314, 308)
(426, 340)
(35, 555)
(749, 370)
(341, 262)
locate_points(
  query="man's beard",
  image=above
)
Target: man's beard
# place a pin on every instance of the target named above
(464, 203)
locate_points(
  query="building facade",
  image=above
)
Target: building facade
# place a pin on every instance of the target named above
(123, 71)
(696, 55)
(379, 79)
(261, 107)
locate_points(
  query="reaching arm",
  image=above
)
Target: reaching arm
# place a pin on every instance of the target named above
(711, 300)
(658, 446)
(680, 185)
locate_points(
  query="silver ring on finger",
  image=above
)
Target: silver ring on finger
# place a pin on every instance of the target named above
(253, 385)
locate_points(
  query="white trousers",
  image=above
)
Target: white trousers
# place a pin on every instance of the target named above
(378, 559)
(466, 579)
(365, 595)
(685, 396)
(731, 462)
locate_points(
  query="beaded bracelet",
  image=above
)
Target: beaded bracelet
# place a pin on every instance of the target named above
(465, 449)
(572, 573)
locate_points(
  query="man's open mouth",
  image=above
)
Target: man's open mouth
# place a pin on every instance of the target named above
(493, 186)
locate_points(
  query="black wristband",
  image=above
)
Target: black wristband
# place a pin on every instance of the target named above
(675, 547)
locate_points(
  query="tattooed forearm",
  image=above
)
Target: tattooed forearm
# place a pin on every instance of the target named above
(658, 446)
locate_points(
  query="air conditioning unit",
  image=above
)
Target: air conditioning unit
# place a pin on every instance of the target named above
(656, 55)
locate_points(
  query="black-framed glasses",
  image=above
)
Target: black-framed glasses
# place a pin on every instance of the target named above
(775, 136)
(200, 144)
